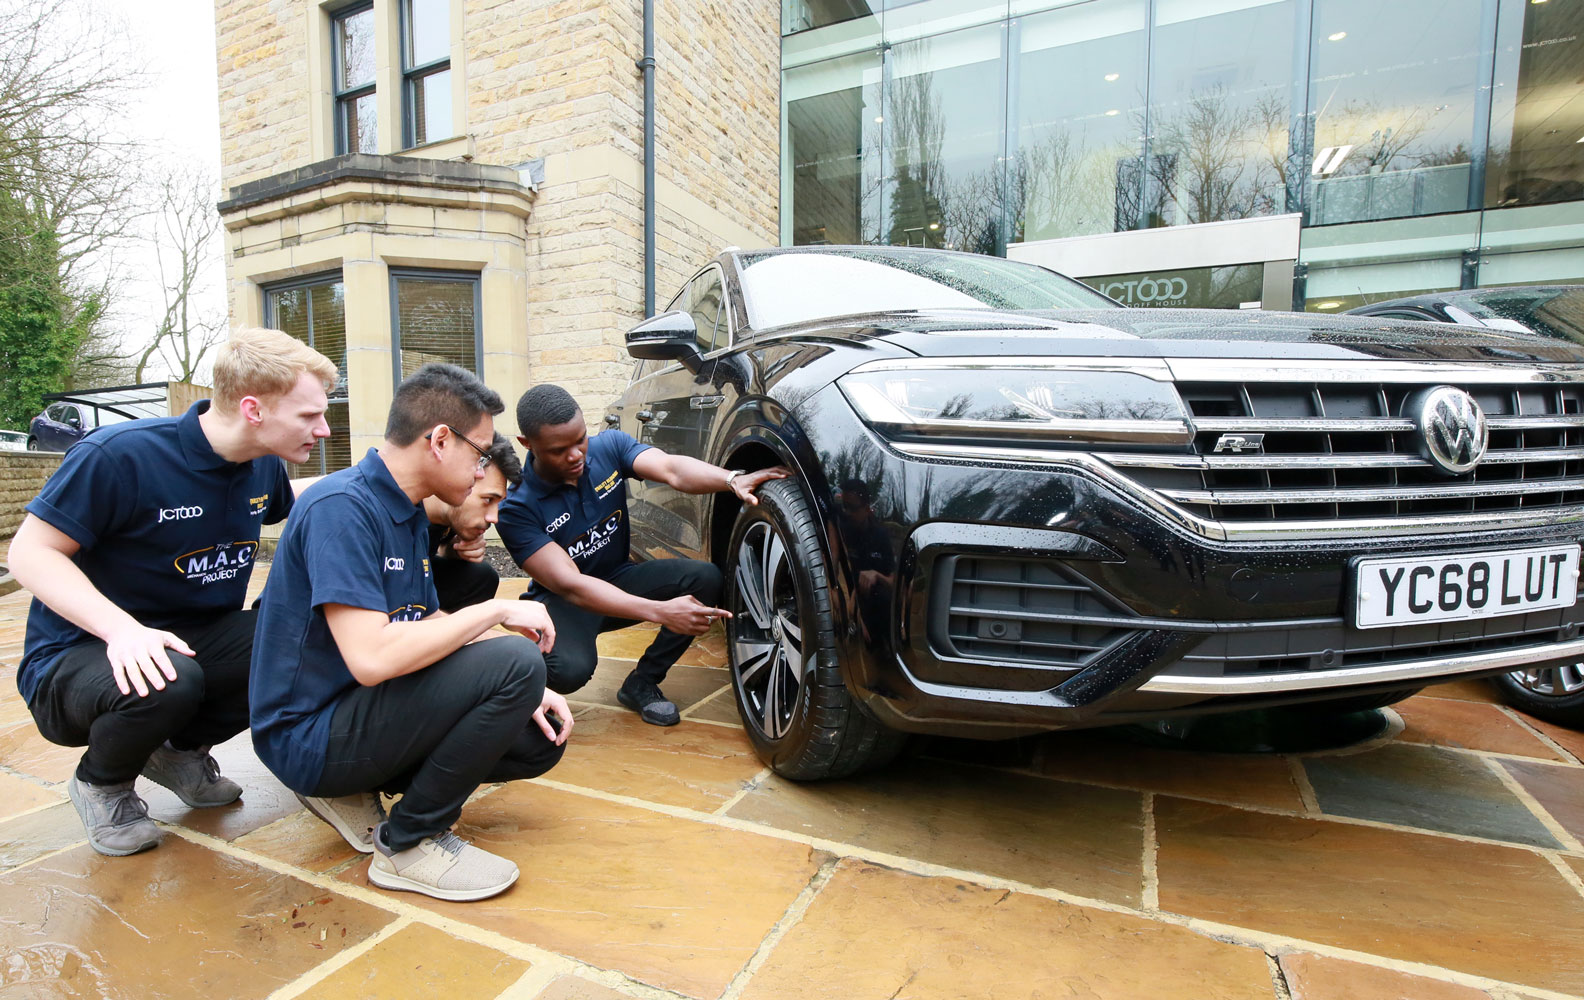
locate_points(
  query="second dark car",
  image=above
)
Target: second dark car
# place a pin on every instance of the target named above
(1019, 507)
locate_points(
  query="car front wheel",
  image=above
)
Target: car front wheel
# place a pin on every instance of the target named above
(33, 444)
(781, 644)
(1555, 694)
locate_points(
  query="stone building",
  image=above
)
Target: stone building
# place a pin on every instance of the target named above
(410, 180)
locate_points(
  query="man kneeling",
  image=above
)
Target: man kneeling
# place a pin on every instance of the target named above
(360, 685)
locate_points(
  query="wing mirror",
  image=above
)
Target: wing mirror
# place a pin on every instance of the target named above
(670, 336)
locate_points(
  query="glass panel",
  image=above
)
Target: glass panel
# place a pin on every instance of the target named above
(1075, 167)
(843, 39)
(431, 107)
(359, 124)
(1392, 91)
(1371, 262)
(944, 108)
(288, 311)
(1537, 106)
(801, 15)
(355, 50)
(834, 126)
(1220, 106)
(435, 322)
(428, 31)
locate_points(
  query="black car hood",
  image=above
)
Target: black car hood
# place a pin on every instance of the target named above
(1186, 333)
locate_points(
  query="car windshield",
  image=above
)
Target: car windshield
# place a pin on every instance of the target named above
(1553, 312)
(795, 287)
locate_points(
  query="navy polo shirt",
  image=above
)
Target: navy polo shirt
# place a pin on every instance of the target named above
(588, 519)
(354, 539)
(167, 528)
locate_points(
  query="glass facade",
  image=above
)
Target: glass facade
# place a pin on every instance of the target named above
(314, 311)
(1426, 144)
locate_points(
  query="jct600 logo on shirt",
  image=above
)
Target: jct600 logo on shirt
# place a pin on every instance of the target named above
(179, 513)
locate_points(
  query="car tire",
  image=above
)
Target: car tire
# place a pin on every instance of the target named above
(1555, 694)
(33, 444)
(1360, 702)
(781, 646)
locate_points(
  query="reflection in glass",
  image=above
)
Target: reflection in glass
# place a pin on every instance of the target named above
(428, 31)
(1392, 89)
(834, 125)
(1537, 106)
(431, 104)
(359, 125)
(801, 15)
(1220, 105)
(436, 321)
(1075, 160)
(945, 107)
(355, 46)
(316, 315)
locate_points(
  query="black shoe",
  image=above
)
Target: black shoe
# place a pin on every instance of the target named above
(644, 697)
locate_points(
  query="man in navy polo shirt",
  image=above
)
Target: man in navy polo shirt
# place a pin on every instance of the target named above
(566, 525)
(138, 552)
(360, 685)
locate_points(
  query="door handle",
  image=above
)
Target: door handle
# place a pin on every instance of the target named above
(706, 402)
(612, 420)
(644, 416)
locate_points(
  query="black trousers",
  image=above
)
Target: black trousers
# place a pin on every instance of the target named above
(436, 734)
(78, 704)
(461, 584)
(571, 663)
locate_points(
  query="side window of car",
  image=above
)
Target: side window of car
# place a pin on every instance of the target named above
(56, 412)
(705, 305)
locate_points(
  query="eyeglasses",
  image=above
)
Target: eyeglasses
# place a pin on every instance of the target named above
(484, 456)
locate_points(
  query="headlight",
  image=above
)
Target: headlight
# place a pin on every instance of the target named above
(978, 402)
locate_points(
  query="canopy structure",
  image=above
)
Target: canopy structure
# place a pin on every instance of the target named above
(147, 399)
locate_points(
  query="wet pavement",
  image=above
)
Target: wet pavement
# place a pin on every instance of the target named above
(1441, 861)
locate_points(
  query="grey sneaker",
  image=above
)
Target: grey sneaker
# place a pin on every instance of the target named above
(193, 775)
(116, 819)
(353, 816)
(445, 867)
(646, 698)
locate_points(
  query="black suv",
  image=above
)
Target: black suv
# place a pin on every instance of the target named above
(1020, 507)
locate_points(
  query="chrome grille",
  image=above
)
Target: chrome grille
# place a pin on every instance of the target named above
(1343, 451)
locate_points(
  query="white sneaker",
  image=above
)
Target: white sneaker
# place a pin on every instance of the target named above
(445, 867)
(353, 816)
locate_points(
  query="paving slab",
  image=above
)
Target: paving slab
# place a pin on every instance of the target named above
(1468, 725)
(707, 650)
(1046, 833)
(1425, 787)
(720, 707)
(24, 751)
(1316, 977)
(1570, 740)
(419, 962)
(1559, 789)
(301, 839)
(573, 988)
(1239, 779)
(684, 685)
(691, 765)
(1484, 909)
(179, 921)
(264, 799)
(27, 838)
(19, 795)
(1577, 864)
(677, 904)
(873, 933)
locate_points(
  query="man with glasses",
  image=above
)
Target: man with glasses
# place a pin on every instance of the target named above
(361, 685)
(456, 533)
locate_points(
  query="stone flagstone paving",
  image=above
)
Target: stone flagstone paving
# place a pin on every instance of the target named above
(1443, 864)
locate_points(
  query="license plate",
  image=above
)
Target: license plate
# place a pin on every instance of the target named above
(1412, 589)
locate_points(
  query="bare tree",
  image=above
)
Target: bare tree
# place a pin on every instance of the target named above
(186, 244)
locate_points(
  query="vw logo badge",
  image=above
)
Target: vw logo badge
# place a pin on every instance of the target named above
(1451, 427)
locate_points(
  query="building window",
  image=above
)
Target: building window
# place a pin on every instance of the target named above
(435, 317)
(314, 311)
(426, 70)
(1537, 115)
(356, 123)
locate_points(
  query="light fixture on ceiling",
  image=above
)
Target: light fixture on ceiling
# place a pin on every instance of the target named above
(934, 225)
(1537, 1)
(1112, 77)
(879, 119)
(1337, 36)
(1327, 305)
(1329, 160)
(1112, 113)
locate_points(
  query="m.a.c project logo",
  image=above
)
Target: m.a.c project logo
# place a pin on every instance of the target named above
(221, 561)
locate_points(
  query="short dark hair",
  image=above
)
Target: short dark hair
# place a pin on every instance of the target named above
(504, 458)
(438, 394)
(544, 405)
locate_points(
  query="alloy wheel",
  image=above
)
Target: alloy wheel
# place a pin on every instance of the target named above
(1551, 682)
(767, 639)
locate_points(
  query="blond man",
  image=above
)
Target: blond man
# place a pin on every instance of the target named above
(138, 553)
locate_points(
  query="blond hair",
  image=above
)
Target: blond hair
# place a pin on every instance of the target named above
(265, 363)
